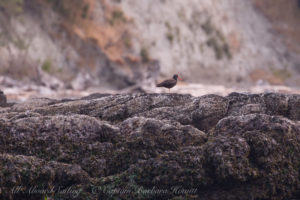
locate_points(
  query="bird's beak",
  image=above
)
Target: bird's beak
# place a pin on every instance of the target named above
(180, 78)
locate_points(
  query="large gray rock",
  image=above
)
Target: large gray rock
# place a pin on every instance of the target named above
(153, 146)
(2, 99)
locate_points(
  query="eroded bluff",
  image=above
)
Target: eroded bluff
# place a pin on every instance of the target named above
(152, 146)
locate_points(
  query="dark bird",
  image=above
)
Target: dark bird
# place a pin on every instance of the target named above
(169, 83)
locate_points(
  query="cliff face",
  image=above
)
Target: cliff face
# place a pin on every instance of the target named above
(227, 41)
(152, 146)
(115, 43)
(82, 43)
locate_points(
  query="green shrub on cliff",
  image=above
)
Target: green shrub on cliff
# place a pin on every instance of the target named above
(12, 6)
(71, 9)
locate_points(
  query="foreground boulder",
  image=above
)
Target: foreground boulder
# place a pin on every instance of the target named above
(152, 146)
(2, 99)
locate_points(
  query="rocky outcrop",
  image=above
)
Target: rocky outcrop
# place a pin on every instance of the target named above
(152, 146)
(2, 99)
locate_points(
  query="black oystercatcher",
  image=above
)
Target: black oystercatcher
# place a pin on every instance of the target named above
(169, 83)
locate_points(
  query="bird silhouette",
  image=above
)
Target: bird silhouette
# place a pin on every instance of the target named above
(169, 83)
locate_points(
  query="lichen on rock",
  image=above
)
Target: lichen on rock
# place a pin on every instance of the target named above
(152, 146)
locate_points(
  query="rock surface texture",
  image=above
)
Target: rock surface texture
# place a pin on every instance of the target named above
(152, 146)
